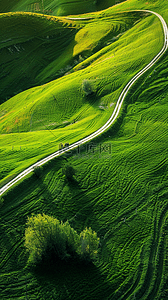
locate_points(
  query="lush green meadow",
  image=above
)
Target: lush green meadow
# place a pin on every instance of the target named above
(35, 121)
(120, 188)
(56, 7)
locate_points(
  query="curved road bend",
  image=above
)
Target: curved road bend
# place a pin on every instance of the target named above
(111, 119)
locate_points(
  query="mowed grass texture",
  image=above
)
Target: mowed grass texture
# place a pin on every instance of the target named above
(120, 190)
(34, 122)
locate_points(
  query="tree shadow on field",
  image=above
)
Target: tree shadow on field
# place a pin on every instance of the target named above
(72, 280)
(91, 99)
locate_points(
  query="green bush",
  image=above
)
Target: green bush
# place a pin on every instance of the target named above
(87, 87)
(89, 243)
(68, 171)
(47, 239)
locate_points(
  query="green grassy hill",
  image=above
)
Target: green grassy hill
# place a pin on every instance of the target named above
(62, 103)
(56, 7)
(120, 189)
(44, 48)
(27, 51)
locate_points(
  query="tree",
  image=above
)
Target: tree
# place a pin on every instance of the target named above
(87, 87)
(68, 171)
(89, 243)
(47, 240)
(73, 239)
(38, 171)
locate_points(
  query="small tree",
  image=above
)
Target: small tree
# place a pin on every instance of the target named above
(48, 239)
(73, 239)
(87, 87)
(68, 171)
(89, 243)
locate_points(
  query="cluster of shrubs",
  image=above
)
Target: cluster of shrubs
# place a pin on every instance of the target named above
(47, 239)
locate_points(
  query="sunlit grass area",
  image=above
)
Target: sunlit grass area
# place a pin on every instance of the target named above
(60, 111)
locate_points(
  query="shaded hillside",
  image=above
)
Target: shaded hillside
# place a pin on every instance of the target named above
(56, 7)
(27, 51)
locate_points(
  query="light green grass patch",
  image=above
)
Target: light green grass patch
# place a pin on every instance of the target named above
(61, 103)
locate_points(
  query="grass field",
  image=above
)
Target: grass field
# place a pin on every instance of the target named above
(33, 122)
(56, 7)
(120, 189)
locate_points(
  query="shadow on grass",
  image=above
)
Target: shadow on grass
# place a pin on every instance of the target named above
(72, 280)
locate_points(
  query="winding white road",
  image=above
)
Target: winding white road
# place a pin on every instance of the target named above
(108, 123)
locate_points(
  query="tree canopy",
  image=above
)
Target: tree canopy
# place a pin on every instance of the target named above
(47, 239)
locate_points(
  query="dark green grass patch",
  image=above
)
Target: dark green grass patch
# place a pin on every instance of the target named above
(27, 51)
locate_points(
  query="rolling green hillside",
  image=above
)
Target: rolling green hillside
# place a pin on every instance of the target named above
(56, 7)
(28, 118)
(121, 188)
(44, 48)
(122, 194)
(27, 51)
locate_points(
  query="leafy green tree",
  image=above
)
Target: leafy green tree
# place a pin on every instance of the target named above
(48, 239)
(89, 243)
(87, 87)
(68, 171)
(73, 239)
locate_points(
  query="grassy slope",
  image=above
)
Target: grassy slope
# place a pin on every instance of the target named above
(25, 53)
(56, 104)
(123, 196)
(130, 183)
(56, 7)
(47, 47)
